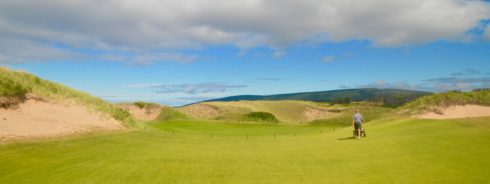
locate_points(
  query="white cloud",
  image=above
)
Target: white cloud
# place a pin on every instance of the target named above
(150, 24)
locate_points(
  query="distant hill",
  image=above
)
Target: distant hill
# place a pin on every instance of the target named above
(389, 97)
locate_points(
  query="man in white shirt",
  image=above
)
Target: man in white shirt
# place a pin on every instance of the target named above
(357, 121)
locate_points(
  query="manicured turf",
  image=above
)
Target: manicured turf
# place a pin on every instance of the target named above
(401, 151)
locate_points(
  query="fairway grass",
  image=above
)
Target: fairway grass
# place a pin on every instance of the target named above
(395, 151)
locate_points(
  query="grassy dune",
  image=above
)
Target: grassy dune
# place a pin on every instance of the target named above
(294, 112)
(396, 151)
(432, 102)
(285, 111)
(18, 83)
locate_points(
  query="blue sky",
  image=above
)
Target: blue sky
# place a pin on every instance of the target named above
(135, 50)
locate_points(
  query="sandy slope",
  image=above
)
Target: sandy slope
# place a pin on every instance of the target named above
(39, 118)
(458, 111)
(201, 111)
(145, 114)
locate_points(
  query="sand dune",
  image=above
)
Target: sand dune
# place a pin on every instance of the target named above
(201, 111)
(458, 111)
(145, 113)
(41, 118)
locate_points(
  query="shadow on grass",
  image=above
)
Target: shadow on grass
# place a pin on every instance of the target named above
(346, 138)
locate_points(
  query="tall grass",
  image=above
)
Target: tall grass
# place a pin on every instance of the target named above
(10, 88)
(18, 83)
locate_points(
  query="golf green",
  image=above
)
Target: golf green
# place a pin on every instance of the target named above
(395, 151)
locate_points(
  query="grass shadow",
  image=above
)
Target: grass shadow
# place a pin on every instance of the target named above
(346, 138)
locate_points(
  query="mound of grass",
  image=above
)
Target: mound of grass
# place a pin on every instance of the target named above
(450, 98)
(10, 88)
(168, 113)
(18, 83)
(260, 117)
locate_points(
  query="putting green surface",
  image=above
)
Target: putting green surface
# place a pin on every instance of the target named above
(395, 151)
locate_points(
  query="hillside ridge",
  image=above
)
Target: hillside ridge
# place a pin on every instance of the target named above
(389, 97)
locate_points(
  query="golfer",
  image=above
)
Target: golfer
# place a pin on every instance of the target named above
(357, 121)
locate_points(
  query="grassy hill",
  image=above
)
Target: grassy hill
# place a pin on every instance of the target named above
(286, 111)
(389, 97)
(14, 85)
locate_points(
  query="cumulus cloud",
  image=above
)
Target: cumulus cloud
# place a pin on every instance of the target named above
(149, 24)
(192, 89)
